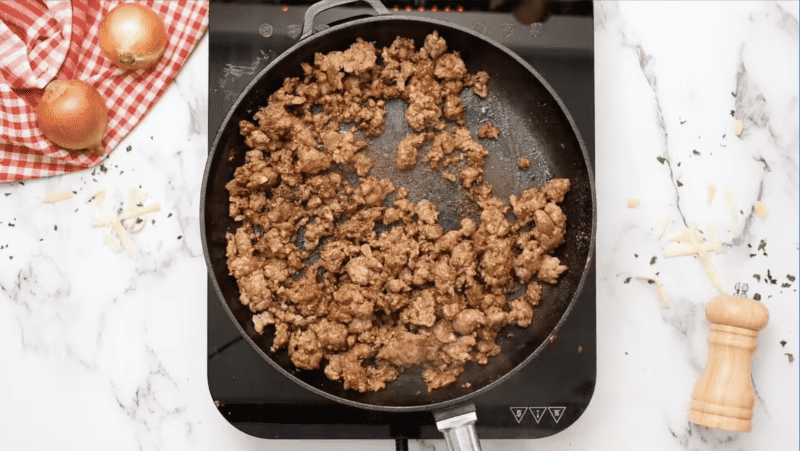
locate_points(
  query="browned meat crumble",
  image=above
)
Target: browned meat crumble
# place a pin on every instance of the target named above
(374, 304)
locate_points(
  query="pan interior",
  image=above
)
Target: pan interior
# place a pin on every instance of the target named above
(532, 125)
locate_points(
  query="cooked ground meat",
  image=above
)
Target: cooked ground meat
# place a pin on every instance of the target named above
(390, 288)
(488, 130)
(524, 163)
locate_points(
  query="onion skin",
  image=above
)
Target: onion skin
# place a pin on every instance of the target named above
(133, 36)
(73, 115)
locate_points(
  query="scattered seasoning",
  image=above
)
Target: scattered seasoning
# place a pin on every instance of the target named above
(129, 148)
(679, 164)
(757, 277)
(682, 122)
(723, 135)
(783, 343)
(626, 352)
(636, 255)
(55, 227)
(11, 257)
(733, 113)
(180, 236)
(103, 168)
(11, 225)
(154, 222)
(790, 277)
(679, 183)
(169, 215)
(8, 194)
(757, 297)
(786, 285)
(627, 280)
(769, 277)
(695, 152)
(733, 93)
(120, 172)
(653, 261)
(790, 355)
(752, 255)
(139, 220)
(74, 192)
(661, 159)
(762, 246)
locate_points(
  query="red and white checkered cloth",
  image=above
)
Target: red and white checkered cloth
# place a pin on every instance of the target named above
(42, 40)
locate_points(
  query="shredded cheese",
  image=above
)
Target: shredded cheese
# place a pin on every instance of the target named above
(125, 238)
(112, 241)
(662, 225)
(761, 210)
(133, 208)
(690, 242)
(98, 197)
(663, 300)
(711, 190)
(58, 196)
(738, 126)
(633, 202)
(728, 196)
(132, 214)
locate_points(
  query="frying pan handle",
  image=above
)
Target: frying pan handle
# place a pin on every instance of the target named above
(458, 427)
(324, 5)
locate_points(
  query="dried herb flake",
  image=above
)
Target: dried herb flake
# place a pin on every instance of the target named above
(653, 261)
(790, 355)
(757, 297)
(679, 183)
(783, 343)
(661, 159)
(757, 277)
(695, 152)
(627, 280)
(790, 277)
(786, 285)
(762, 245)
(129, 148)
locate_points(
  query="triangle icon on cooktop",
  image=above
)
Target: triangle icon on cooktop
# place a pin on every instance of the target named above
(538, 413)
(518, 413)
(556, 412)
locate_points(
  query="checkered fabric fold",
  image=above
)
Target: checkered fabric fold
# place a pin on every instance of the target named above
(43, 40)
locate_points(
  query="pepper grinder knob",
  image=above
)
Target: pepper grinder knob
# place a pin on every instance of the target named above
(724, 397)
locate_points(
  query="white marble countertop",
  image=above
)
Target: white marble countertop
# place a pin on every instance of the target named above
(101, 351)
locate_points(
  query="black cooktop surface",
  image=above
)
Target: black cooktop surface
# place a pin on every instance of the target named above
(545, 397)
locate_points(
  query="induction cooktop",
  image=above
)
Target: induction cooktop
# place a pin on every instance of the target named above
(542, 399)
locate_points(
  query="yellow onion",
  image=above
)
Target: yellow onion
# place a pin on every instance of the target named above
(73, 115)
(133, 36)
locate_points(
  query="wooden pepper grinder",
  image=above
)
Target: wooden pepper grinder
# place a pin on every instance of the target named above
(724, 397)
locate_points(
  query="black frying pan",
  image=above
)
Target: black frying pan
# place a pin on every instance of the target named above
(534, 123)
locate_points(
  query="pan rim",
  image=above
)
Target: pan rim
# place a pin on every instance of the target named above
(420, 407)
